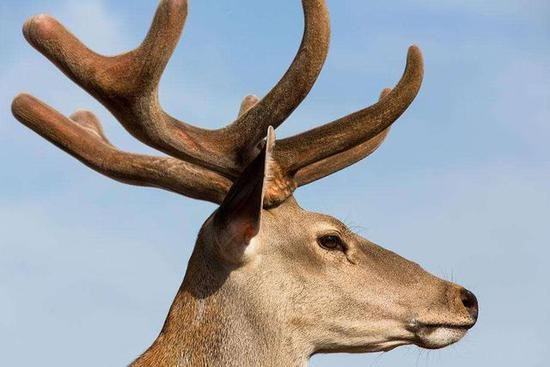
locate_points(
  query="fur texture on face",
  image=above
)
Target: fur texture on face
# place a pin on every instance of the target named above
(360, 297)
(288, 297)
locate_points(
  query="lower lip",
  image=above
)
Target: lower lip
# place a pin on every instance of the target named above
(435, 337)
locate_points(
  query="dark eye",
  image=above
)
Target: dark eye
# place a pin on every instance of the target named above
(332, 243)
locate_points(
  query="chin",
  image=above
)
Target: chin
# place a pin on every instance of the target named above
(365, 348)
(436, 337)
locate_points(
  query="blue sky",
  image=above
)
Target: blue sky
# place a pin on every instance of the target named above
(89, 267)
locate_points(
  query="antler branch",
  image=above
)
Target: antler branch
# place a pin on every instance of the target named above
(312, 146)
(293, 87)
(82, 137)
(211, 160)
(329, 165)
(127, 85)
(247, 103)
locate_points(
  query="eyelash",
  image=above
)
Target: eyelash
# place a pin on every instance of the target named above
(332, 243)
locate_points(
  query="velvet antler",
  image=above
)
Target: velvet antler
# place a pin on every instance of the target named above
(203, 163)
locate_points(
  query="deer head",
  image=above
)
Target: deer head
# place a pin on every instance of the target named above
(268, 283)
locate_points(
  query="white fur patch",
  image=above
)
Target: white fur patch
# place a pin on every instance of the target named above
(252, 247)
(443, 336)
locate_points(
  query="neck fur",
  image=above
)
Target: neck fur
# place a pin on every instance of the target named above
(208, 325)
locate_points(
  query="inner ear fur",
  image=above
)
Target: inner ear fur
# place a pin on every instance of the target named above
(238, 219)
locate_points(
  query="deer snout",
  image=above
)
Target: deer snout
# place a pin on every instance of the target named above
(452, 323)
(469, 301)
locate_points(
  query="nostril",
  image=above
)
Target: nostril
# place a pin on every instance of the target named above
(469, 301)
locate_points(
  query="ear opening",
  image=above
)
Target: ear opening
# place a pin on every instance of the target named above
(239, 217)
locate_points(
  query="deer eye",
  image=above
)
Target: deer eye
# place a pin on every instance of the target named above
(332, 243)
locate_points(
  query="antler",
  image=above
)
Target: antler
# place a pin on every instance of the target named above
(205, 162)
(128, 86)
(302, 150)
(294, 86)
(334, 163)
(82, 136)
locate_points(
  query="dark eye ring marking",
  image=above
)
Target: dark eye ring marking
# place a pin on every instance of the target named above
(332, 242)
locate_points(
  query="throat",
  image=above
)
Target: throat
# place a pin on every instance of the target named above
(209, 326)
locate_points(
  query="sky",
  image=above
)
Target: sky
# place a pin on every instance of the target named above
(89, 266)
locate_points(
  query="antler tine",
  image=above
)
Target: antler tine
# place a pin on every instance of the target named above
(293, 87)
(82, 137)
(127, 84)
(302, 150)
(247, 103)
(99, 74)
(327, 166)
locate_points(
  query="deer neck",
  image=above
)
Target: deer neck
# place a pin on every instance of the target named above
(214, 323)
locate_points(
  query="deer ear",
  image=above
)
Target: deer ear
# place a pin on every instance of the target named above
(238, 219)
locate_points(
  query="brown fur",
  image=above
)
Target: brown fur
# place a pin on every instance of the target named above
(260, 290)
(291, 299)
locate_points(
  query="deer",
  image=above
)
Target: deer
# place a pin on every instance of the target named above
(268, 283)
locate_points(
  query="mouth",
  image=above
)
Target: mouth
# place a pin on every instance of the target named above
(435, 336)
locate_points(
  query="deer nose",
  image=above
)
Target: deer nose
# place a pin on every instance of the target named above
(469, 301)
